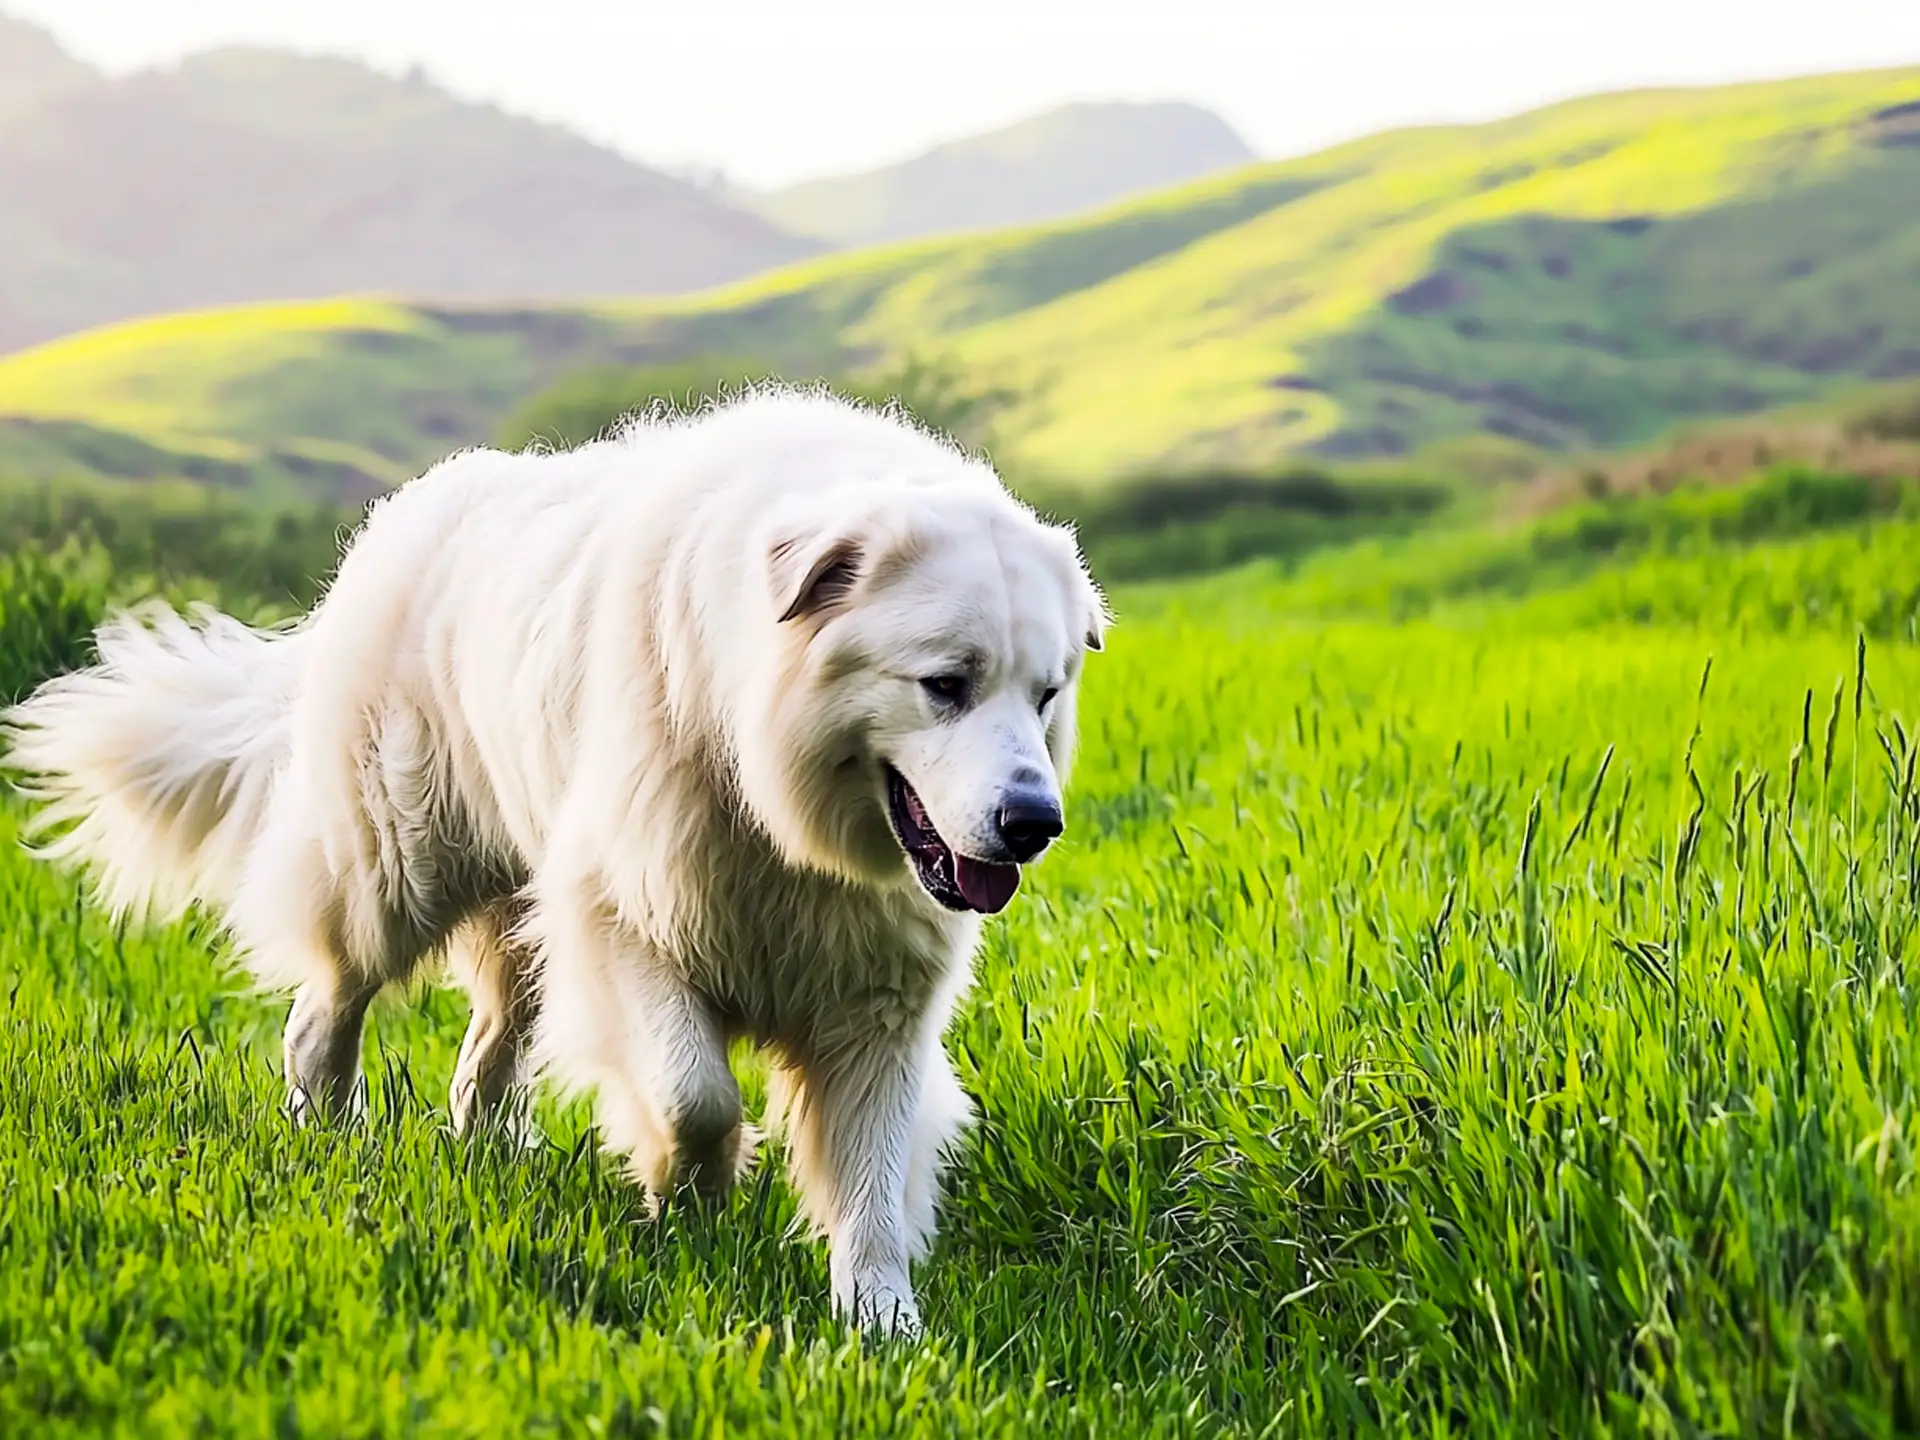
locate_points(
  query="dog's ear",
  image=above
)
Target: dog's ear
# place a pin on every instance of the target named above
(1099, 617)
(811, 574)
(1099, 620)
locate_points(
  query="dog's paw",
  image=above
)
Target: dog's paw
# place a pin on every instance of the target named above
(307, 1111)
(524, 1131)
(511, 1126)
(701, 1181)
(714, 1173)
(747, 1149)
(879, 1304)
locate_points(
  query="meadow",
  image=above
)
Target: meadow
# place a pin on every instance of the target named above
(1475, 996)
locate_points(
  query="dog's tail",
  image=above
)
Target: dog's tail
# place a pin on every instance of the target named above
(155, 765)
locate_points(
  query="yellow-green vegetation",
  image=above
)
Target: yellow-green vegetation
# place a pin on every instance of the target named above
(1582, 276)
(1585, 274)
(107, 376)
(339, 398)
(1499, 1021)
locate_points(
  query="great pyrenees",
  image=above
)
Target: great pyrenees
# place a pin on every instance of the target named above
(730, 725)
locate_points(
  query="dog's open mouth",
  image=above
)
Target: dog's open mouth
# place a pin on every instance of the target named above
(957, 881)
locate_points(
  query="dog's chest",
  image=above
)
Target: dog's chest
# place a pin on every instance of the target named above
(793, 956)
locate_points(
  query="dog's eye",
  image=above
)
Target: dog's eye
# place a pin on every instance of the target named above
(1047, 695)
(949, 689)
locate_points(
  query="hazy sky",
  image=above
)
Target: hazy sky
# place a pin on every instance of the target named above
(776, 90)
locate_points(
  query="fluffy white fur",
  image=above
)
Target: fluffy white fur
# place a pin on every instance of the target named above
(610, 728)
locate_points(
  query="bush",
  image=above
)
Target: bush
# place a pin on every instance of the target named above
(1163, 526)
(69, 552)
(1895, 418)
(1785, 502)
(50, 603)
(182, 533)
(1790, 551)
(589, 404)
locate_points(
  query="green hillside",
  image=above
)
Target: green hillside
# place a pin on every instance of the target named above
(342, 397)
(1584, 276)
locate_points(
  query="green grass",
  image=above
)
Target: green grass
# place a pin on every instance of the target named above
(1501, 1021)
(1789, 553)
(1583, 276)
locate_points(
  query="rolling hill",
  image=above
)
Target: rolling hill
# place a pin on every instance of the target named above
(1580, 277)
(1073, 159)
(257, 175)
(34, 69)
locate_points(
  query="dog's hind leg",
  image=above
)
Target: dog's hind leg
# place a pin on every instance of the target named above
(322, 1043)
(292, 924)
(495, 967)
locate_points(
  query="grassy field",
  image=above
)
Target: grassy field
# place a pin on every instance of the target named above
(1500, 1019)
(1582, 276)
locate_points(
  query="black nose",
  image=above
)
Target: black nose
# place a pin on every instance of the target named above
(1028, 824)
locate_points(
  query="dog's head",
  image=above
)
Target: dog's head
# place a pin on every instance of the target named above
(922, 721)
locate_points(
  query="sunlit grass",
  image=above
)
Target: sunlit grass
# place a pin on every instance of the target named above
(1502, 1022)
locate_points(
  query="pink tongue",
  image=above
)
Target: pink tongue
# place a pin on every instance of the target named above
(987, 887)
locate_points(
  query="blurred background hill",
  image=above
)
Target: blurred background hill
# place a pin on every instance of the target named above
(248, 174)
(1075, 158)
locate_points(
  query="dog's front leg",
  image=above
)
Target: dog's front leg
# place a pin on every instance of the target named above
(852, 1118)
(619, 1016)
(680, 1063)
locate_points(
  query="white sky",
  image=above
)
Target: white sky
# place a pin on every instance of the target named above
(776, 90)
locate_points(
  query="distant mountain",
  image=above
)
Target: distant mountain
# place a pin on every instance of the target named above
(1066, 161)
(249, 175)
(34, 68)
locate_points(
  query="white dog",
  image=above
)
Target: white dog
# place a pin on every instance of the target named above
(731, 725)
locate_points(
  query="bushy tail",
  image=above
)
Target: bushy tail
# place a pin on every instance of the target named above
(155, 765)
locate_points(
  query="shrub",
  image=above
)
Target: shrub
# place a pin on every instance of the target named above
(591, 403)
